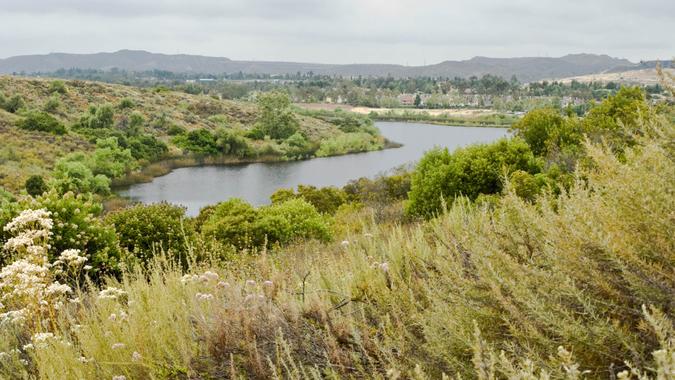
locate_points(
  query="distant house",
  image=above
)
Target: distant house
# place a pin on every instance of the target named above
(406, 99)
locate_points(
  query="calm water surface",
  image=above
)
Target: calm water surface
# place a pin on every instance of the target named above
(196, 187)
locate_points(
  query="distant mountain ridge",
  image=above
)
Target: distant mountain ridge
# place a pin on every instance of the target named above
(525, 68)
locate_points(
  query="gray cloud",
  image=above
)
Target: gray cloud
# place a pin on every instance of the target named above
(342, 31)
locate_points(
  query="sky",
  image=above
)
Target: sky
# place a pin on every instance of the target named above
(408, 32)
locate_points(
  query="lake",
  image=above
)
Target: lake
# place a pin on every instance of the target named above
(196, 187)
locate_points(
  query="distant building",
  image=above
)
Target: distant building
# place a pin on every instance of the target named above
(407, 99)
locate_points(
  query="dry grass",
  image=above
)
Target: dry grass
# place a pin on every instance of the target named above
(521, 290)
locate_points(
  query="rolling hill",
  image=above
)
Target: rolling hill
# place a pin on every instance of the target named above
(526, 68)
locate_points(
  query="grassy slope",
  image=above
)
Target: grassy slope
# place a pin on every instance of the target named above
(25, 153)
(568, 272)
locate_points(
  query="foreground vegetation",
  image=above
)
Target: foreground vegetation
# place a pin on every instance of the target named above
(83, 135)
(545, 255)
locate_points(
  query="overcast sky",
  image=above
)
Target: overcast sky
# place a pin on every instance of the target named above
(410, 32)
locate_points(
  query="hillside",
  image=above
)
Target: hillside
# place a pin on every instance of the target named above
(153, 123)
(526, 68)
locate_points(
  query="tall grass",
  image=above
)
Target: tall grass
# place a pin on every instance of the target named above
(575, 286)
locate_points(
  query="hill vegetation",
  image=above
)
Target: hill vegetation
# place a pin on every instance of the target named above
(85, 134)
(547, 255)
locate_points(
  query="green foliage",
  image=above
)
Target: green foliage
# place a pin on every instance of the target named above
(53, 104)
(35, 185)
(616, 117)
(145, 230)
(57, 87)
(275, 118)
(232, 143)
(13, 104)
(230, 222)
(237, 223)
(326, 199)
(126, 103)
(536, 128)
(525, 185)
(381, 190)
(200, 141)
(466, 172)
(101, 117)
(349, 143)
(73, 174)
(110, 160)
(77, 226)
(297, 146)
(41, 121)
(288, 221)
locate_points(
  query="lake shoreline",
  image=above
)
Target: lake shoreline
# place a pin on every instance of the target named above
(165, 166)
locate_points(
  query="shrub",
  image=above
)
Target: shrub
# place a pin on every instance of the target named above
(57, 87)
(349, 143)
(110, 160)
(13, 104)
(231, 143)
(35, 185)
(41, 121)
(144, 230)
(200, 141)
(72, 173)
(297, 146)
(53, 104)
(231, 223)
(466, 172)
(126, 103)
(325, 200)
(101, 117)
(291, 220)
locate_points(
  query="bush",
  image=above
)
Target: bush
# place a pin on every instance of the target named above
(325, 200)
(231, 223)
(297, 146)
(231, 143)
(35, 185)
(12, 104)
(57, 87)
(126, 103)
(41, 121)
(200, 141)
(536, 128)
(110, 160)
(53, 104)
(282, 223)
(73, 174)
(349, 143)
(144, 230)
(101, 117)
(469, 172)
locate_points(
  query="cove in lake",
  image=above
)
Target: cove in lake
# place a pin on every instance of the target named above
(196, 187)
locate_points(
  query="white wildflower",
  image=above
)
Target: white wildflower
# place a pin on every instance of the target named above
(189, 278)
(136, 357)
(117, 346)
(384, 267)
(204, 296)
(223, 284)
(58, 289)
(119, 377)
(87, 267)
(345, 243)
(72, 258)
(30, 218)
(250, 283)
(111, 292)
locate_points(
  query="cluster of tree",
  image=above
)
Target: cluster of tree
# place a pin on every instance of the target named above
(545, 150)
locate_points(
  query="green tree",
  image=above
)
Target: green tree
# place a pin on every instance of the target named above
(111, 160)
(35, 185)
(537, 126)
(275, 118)
(469, 172)
(73, 174)
(285, 222)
